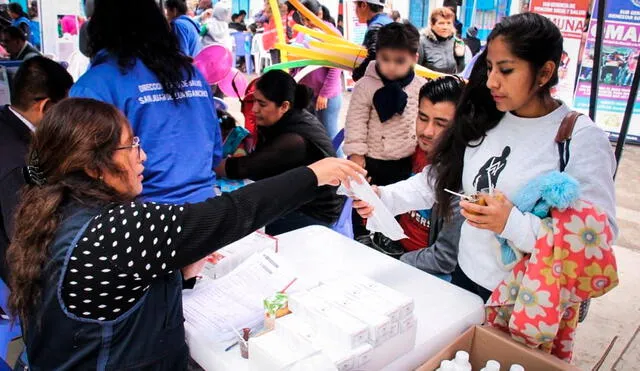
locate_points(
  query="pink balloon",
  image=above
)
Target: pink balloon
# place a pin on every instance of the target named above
(215, 62)
(234, 77)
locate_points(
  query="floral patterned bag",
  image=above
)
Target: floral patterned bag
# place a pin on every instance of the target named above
(573, 261)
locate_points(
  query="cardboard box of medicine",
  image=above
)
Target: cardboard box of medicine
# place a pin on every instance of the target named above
(485, 343)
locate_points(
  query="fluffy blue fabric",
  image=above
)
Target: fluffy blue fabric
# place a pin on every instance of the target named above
(554, 189)
(551, 190)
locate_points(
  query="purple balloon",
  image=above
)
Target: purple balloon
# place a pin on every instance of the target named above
(215, 62)
(237, 78)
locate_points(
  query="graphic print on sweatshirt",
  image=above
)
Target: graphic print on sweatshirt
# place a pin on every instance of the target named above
(490, 171)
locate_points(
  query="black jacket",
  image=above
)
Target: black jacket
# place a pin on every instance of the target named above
(440, 255)
(298, 139)
(15, 138)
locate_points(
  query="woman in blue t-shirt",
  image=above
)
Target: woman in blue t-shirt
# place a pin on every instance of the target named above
(138, 67)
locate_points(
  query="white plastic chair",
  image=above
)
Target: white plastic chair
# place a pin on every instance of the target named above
(260, 55)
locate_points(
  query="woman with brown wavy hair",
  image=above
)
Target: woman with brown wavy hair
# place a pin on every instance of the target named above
(94, 273)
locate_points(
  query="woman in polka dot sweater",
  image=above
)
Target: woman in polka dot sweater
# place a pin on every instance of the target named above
(95, 275)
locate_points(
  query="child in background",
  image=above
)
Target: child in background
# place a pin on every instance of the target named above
(380, 131)
(235, 137)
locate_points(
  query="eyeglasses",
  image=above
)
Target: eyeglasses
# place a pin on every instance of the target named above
(134, 144)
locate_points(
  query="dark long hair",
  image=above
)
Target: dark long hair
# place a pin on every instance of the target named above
(138, 30)
(326, 15)
(313, 5)
(76, 135)
(531, 37)
(278, 87)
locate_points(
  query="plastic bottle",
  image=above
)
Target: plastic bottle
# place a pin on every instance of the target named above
(492, 366)
(447, 365)
(516, 367)
(462, 361)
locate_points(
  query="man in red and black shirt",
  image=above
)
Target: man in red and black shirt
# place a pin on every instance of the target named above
(432, 243)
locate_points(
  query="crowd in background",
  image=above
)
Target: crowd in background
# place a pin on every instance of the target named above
(440, 48)
(20, 36)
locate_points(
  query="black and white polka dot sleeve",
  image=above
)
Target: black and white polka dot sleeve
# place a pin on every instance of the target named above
(127, 247)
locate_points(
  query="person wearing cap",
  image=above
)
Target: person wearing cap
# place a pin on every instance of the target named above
(472, 40)
(371, 12)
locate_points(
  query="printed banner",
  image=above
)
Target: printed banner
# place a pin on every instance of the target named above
(620, 51)
(570, 17)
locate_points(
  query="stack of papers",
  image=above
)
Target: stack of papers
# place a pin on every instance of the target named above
(235, 301)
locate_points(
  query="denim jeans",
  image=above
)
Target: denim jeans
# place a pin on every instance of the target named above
(329, 118)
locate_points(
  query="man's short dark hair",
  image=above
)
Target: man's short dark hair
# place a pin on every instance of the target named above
(243, 12)
(15, 33)
(16, 8)
(398, 36)
(373, 7)
(39, 78)
(443, 89)
(179, 5)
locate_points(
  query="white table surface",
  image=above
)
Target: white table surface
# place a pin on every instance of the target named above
(443, 311)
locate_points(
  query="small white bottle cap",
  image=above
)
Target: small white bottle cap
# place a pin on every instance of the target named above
(493, 366)
(462, 357)
(447, 366)
(516, 367)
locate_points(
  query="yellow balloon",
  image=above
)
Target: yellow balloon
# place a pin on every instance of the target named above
(357, 60)
(275, 10)
(312, 54)
(324, 37)
(314, 18)
(427, 73)
(345, 49)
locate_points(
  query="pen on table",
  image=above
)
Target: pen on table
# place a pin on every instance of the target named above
(244, 337)
(236, 343)
(231, 346)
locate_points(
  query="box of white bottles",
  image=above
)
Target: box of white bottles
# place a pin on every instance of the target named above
(489, 349)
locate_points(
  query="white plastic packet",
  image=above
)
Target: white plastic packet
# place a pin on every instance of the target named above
(382, 219)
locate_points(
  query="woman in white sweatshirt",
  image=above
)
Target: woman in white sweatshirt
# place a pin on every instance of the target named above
(503, 137)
